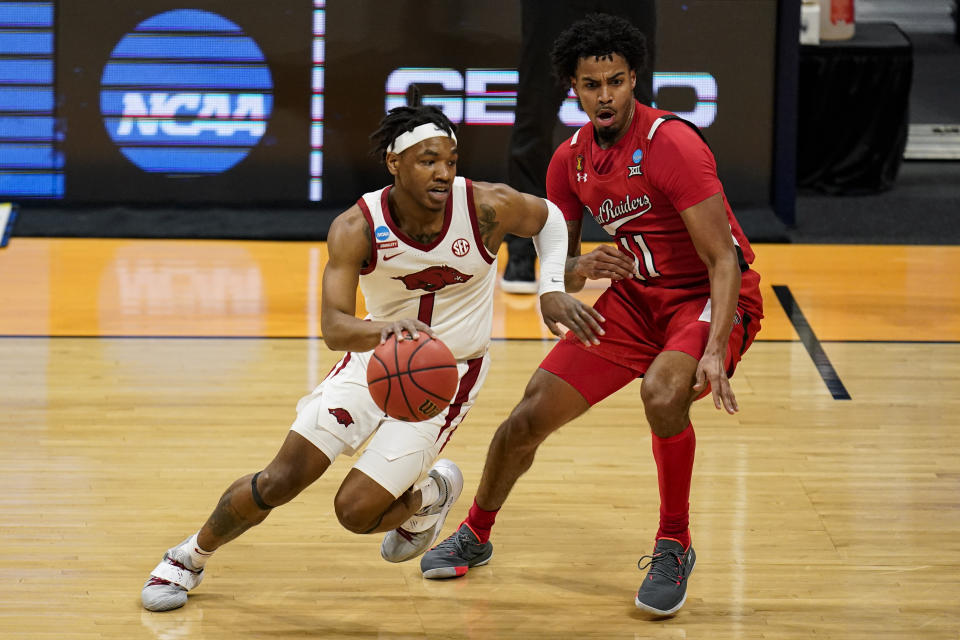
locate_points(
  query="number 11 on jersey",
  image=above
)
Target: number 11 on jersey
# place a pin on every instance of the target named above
(635, 246)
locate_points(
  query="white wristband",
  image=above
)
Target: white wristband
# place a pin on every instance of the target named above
(551, 245)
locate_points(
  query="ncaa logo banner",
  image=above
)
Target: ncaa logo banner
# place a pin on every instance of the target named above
(186, 93)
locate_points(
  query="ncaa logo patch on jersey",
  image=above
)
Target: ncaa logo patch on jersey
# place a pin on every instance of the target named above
(634, 169)
(381, 233)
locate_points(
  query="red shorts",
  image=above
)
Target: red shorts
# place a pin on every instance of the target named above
(642, 322)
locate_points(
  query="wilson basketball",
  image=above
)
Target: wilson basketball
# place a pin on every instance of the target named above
(412, 380)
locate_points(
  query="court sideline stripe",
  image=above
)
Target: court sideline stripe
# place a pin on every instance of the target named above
(8, 215)
(47, 336)
(810, 341)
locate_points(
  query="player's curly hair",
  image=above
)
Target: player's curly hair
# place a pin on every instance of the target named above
(598, 34)
(402, 119)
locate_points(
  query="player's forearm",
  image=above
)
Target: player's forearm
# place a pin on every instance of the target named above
(343, 332)
(724, 293)
(572, 281)
(551, 245)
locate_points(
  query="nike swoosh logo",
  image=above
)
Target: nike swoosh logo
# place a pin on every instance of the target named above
(385, 258)
(555, 280)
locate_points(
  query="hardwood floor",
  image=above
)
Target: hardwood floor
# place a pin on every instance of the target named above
(812, 517)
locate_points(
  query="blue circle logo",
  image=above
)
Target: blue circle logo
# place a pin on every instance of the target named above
(637, 155)
(382, 233)
(186, 93)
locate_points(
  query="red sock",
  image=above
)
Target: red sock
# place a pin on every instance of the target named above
(481, 521)
(674, 456)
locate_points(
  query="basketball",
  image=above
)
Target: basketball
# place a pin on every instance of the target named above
(412, 380)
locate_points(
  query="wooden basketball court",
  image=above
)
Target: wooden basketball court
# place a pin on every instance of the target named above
(139, 378)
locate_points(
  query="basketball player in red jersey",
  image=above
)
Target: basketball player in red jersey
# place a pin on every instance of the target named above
(682, 307)
(423, 251)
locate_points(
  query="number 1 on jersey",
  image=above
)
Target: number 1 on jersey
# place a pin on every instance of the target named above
(425, 313)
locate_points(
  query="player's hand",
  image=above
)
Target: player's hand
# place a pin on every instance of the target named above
(561, 308)
(710, 371)
(606, 261)
(406, 329)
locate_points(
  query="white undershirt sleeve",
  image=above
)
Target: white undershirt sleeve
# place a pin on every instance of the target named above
(551, 245)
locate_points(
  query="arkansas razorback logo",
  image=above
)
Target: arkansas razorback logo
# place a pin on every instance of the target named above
(433, 278)
(342, 415)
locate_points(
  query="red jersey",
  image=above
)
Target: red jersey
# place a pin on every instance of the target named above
(636, 189)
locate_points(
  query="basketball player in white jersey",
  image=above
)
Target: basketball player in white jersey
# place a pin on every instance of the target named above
(423, 251)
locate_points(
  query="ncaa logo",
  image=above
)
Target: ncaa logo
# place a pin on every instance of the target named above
(186, 93)
(381, 233)
(634, 170)
(461, 247)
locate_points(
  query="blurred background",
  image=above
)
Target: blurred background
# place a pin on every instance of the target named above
(226, 120)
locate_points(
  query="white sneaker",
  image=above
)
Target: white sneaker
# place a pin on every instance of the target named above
(400, 544)
(167, 586)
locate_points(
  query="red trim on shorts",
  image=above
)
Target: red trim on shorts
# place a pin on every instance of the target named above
(334, 370)
(467, 383)
(592, 375)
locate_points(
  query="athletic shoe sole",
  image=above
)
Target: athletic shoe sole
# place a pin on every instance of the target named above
(442, 573)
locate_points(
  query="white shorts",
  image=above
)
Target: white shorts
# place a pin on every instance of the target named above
(339, 416)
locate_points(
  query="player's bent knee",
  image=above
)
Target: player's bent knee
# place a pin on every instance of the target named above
(354, 517)
(523, 430)
(279, 485)
(664, 400)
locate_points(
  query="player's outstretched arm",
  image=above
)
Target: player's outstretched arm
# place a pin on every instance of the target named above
(605, 261)
(349, 250)
(503, 210)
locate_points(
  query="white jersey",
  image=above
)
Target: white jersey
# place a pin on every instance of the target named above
(447, 284)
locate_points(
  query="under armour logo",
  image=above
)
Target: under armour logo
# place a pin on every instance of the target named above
(581, 177)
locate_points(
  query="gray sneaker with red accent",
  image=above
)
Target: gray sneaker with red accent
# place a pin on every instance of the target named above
(167, 586)
(455, 555)
(664, 589)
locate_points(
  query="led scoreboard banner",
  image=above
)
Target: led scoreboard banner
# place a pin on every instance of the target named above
(464, 58)
(31, 165)
(233, 103)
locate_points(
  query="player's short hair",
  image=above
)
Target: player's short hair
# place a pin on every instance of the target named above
(598, 34)
(402, 119)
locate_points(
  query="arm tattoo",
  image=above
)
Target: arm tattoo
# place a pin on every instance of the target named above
(366, 241)
(487, 220)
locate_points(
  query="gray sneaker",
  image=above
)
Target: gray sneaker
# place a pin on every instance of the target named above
(167, 586)
(664, 589)
(455, 555)
(400, 544)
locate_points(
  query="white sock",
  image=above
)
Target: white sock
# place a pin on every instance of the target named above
(429, 492)
(198, 557)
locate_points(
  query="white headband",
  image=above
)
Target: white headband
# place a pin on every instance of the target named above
(420, 133)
